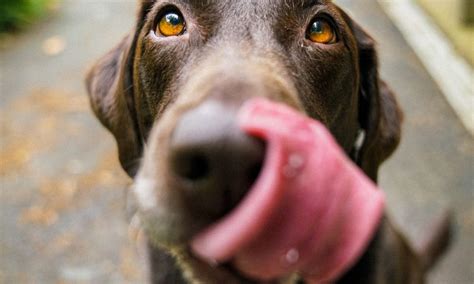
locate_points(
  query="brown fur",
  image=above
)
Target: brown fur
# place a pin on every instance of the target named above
(141, 88)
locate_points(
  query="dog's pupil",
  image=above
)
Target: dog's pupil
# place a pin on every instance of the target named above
(317, 27)
(173, 19)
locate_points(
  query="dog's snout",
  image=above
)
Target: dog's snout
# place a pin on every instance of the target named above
(214, 163)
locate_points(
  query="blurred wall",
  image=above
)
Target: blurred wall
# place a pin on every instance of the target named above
(455, 18)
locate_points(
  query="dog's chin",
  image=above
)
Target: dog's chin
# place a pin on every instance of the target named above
(235, 273)
(232, 274)
(177, 242)
(170, 231)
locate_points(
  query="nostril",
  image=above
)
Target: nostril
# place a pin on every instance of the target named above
(254, 172)
(212, 162)
(191, 166)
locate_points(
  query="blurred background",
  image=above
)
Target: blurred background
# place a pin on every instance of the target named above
(62, 191)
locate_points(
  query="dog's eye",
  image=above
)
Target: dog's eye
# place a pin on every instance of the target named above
(321, 31)
(171, 24)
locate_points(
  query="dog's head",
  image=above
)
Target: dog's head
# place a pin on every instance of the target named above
(169, 93)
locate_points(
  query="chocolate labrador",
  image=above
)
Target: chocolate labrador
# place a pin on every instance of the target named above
(170, 92)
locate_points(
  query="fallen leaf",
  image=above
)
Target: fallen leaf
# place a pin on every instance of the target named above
(54, 46)
(39, 215)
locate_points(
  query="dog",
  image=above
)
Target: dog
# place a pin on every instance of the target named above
(173, 86)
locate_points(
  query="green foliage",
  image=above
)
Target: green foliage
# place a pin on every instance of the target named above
(16, 14)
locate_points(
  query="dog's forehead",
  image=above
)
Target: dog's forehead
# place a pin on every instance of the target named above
(292, 4)
(247, 4)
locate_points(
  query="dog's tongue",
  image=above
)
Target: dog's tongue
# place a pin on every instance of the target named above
(311, 211)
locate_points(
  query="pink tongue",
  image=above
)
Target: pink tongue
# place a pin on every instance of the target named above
(311, 211)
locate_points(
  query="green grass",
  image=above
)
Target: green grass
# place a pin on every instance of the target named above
(17, 14)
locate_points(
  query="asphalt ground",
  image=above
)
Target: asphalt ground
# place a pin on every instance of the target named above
(62, 205)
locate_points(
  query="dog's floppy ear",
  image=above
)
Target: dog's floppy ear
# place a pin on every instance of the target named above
(379, 114)
(110, 87)
(111, 96)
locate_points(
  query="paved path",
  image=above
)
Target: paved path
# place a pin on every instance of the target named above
(62, 191)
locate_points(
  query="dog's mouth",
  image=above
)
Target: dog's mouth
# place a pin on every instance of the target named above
(310, 211)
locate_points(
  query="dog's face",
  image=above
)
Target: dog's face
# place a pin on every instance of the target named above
(250, 48)
(181, 76)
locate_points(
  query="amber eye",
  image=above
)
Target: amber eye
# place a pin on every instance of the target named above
(321, 31)
(171, 24)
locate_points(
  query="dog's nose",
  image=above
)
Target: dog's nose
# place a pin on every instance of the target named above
(213, 162)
